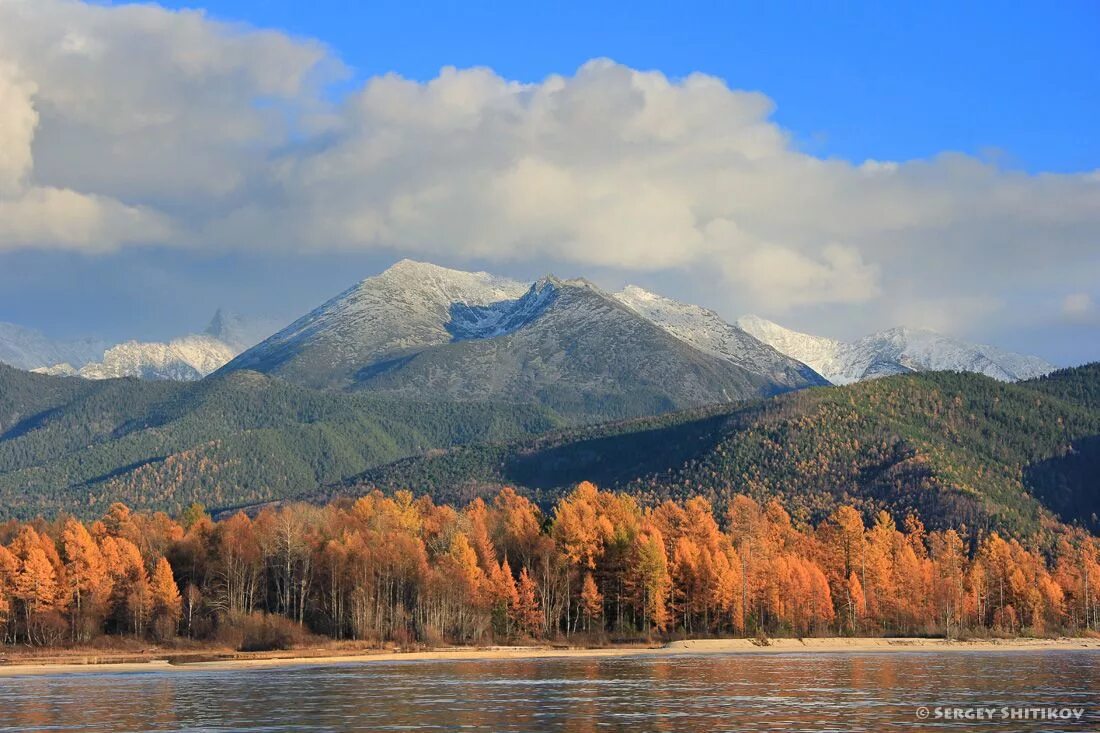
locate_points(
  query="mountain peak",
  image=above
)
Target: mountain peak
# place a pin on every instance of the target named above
(634, 292)
(237, 331)
(407, 268)
(222, 324)
(751, 319)
(415, 266)
(408, 306)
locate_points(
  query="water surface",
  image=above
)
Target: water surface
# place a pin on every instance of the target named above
(849, 692)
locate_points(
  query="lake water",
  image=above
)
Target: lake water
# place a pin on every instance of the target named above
(847, 692)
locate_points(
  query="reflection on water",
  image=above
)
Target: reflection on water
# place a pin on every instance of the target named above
(856, 692)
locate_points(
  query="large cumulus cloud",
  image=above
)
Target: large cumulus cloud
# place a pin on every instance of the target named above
(133, 125)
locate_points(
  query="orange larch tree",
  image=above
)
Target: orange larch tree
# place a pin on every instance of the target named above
(167, 605)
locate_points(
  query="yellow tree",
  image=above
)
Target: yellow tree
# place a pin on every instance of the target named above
(526, 614)
(167, 606)
(650, 577)
(745, 521)
(842, 537)
(514, 526)
(856, 603)
(503, 596)
(87, 583)
(580, 530)
(8, 566)
(949, 592)
(688, 588)
(34, 587)
(591, 601)
(878, 578)
(130, 583)
(727, 592)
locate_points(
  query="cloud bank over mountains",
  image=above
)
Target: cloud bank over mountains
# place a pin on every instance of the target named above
(134, 126)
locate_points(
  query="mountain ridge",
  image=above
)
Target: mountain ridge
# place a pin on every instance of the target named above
(707, 331)
(422, 329)
(185, 358)
(896, 350)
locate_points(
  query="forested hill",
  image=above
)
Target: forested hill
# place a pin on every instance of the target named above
(1079, 385)
(960, 449)
(76, 446)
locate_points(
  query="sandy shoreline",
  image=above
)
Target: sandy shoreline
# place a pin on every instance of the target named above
(696, 646)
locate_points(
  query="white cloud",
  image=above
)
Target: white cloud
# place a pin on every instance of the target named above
(1080, 308)
(133, 124)
(18, 118)
(120, 125)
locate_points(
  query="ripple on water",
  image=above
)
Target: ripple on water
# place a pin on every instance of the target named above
(849, 692)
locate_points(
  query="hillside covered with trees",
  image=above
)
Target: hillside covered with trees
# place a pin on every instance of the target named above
(958, 450)
(77, 446)
(598, 565)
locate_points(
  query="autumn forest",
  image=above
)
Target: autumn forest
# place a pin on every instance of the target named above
(598, 567)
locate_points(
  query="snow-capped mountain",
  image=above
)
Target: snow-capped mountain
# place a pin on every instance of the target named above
(424, 331)
(410, 305)
(707, 331)
(25, 348)
(893, 351)
(186, 358)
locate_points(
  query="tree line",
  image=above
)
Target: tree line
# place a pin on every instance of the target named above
(598, 565)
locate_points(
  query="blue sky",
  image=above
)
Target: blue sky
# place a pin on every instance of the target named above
(838, 167)
(851, 79)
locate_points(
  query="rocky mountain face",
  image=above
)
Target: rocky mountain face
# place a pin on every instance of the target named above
(893, 351)
(418, 330)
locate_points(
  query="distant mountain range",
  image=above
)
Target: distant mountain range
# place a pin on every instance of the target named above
(186, 358)
(25, 348)
(893, 351)
(420, 329)
(427, 330)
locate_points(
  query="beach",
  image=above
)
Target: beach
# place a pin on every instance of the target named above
(168, 662)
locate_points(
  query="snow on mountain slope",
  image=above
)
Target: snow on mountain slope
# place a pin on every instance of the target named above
(186, 358)
(501, 318)
(410, 305)
(426, 332)
(823, 355)
(707, 331)
(25, 348)
(183, 359)
(893, 351)
(570, 346)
